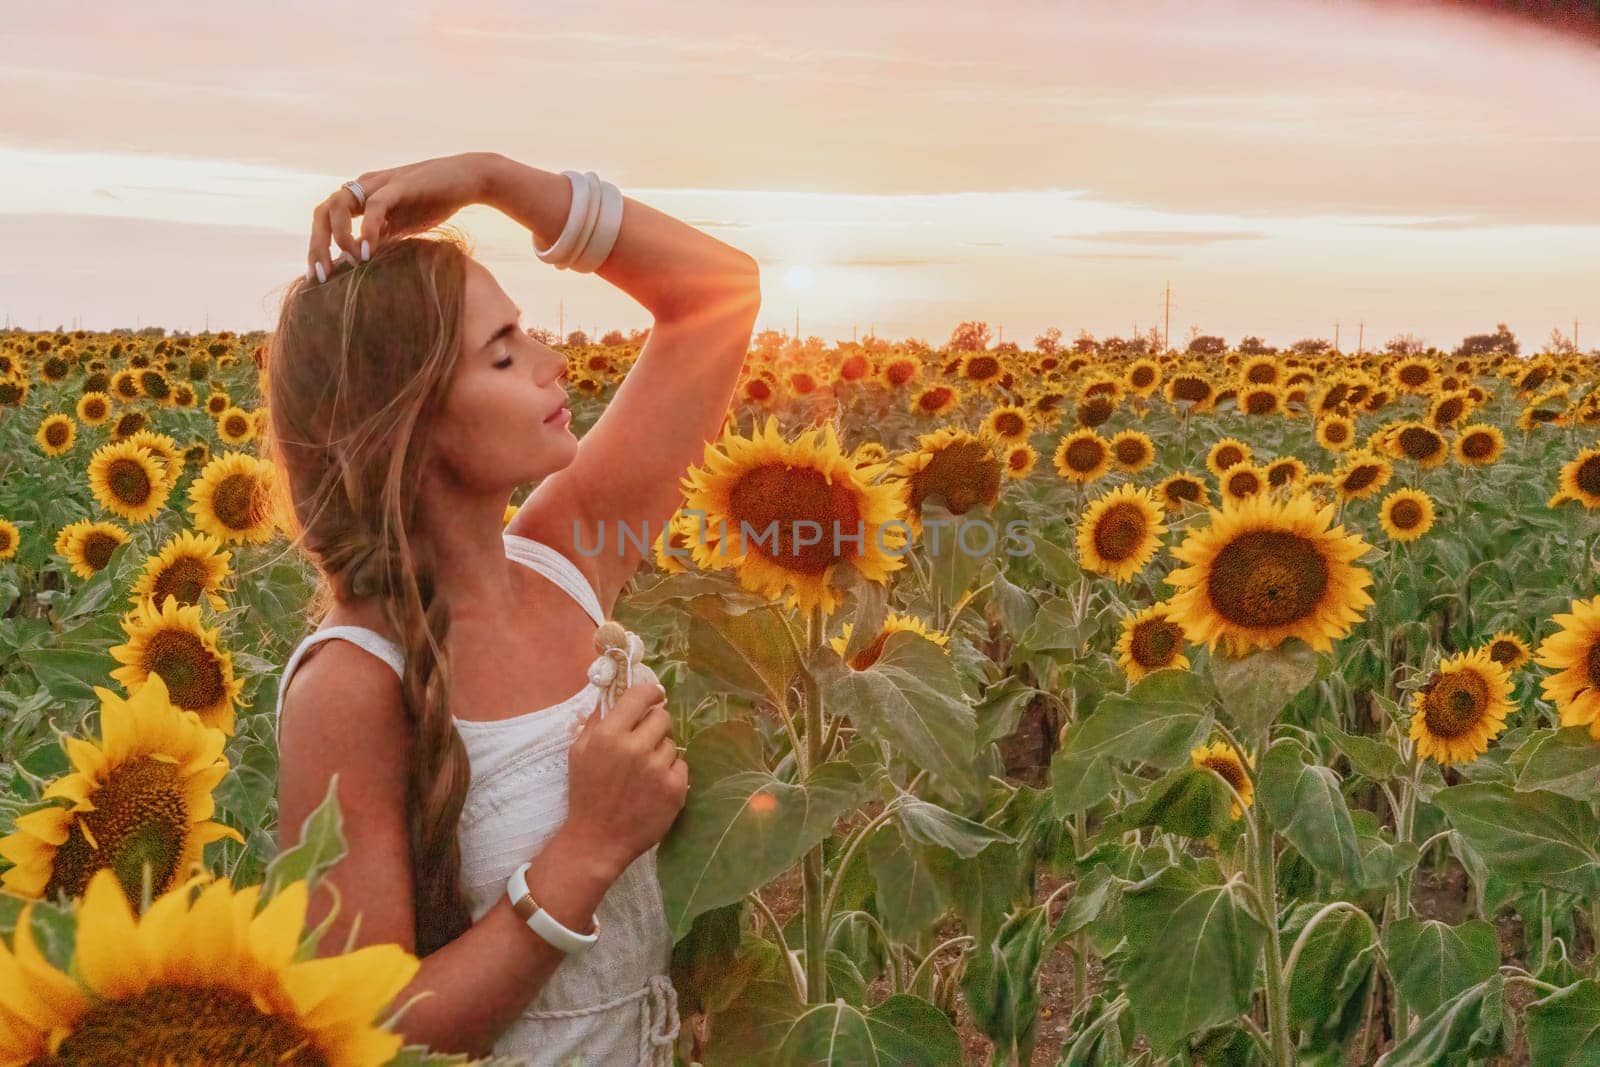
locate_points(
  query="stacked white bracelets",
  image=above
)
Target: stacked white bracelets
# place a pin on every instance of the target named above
(591, 228)
(542, 922)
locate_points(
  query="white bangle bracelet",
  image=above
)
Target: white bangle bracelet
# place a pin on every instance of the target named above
(542, 922)
(605, 233)
(568, 244)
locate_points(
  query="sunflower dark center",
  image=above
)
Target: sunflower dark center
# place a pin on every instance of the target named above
(1182, 489)
(869, 655)
(5, 539)
(1588, 476)
(982, 368)
(185, 578)
(1130, 451)
(1478, 445)
(1010, 424)
(1228, 455)
(1506, 652)
(1360, 477)
(1337, 432)
(935, 398)
(1155, 643)
(965, 473)
(1262, 374)
(129, 481)
(853, 368)
(1231, 771)
(1413, 375)
(1419, 442)
(1456, 703)
(775, 506)
(1591, 663)
(1142, 377)
(1406, 514)
(1281, 473)
(139, 817)
(1266, 579)
(186, 1026)
(56, 434)
(900, 372)
(96, 548)
(1260, 402)
(1018, 460)
(1120, 532)
(1244, 483)
(237, 425)
(1085, 455)
(1190, 388)
(94, 408)
(758, 389)
(1094, 411)
(236, 502)
(192, 673)
(1448, 411)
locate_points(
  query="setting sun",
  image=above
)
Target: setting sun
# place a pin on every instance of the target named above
(798, 276)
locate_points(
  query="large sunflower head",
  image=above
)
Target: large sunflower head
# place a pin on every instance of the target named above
(1285, 471)
(1120, 532)
(1181, 492)
(1364, 474)
(1132, 451)
(1143, 376)
(893, 623)
(1406, 514)
(1573, 652)
(1227, 762)
(1150, 641)
(1418, 442)
(1260, 400)
(951, 465)
(1336, 432)
(207, 977)
(128, 480)
(1082, 456)
(1242, 480)
(139, 797)
(1266, 570)
(1580, 479)
(1191, 391)
(232, 499)
(88, 544)
(1008, 423)
(787, 514)
(1225, 453)
(165, 449)
(190, 565)
(173, 642)
(1509, 650)
(94, 408)
(1479, 445)
(1461, 708)
(56, 434)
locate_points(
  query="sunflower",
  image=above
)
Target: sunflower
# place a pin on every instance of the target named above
(1363, 475)
(1082, 456)
(758, 389)
(934, 400)
(1406, 514)
(756, 493)
(1509, 650)
(1132, 451)
(1420, 443)
(234, 426)
(1150, 641)
(853, 368)
(94, 408)
(1336, 432)
(10, 539)
(1020, 460)
(56, 434)
(1120, 532)
(1242, 480)
(980, 368)
(171, 641)
(190, 566)
(893, 623)
(1225, 453)
(1461, 708)
(88, 544)
(165, 449)
(900, 369)
(1194, 391)
(1008, 423)
(128, 480)
(960, 468)
(1095, 410)
(1574, 652)
(1414, 375)
(230, 500)
(1143, 377)
(1261, 400)
(1178, 492)
(141, 795)
(1448, 408)
(869, 452)
(1580, 480)
(1318, 486)
(206, 978)
(1265, 570)
(1285, 471)
(1259, 370)
(1222, 759)
(1479, 445)
(683, 530)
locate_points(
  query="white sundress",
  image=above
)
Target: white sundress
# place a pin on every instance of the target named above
(614, 1002)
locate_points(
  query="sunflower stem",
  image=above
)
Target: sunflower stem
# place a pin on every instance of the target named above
(1265, 878)
(811, 869)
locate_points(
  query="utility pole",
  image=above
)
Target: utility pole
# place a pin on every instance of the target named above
(1166, 329)
(1575, 335)
(1336, 336)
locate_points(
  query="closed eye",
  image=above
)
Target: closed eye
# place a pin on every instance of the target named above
(504, 363)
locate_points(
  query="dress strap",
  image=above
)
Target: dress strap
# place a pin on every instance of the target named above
(559, 569)
(370, 640)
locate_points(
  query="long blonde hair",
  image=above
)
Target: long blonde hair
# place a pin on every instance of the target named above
(355, 373)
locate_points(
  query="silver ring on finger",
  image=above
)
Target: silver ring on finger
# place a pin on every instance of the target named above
(356, 191)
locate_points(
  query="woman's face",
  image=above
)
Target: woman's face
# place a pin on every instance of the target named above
(504, 422)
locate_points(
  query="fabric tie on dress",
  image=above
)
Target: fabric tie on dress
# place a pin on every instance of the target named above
(619, 666)
(658, 1001)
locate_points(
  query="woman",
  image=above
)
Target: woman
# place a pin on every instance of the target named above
(406, 404)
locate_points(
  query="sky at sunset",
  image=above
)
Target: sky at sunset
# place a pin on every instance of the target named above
(1285, 165)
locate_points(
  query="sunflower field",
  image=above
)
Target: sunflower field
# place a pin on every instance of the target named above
(1259, 691)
